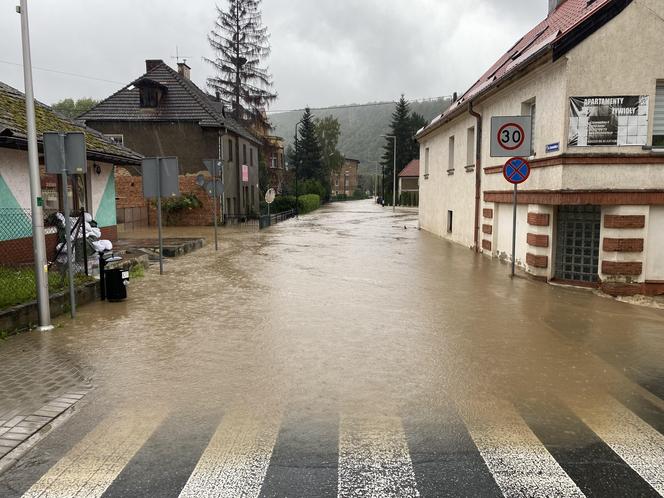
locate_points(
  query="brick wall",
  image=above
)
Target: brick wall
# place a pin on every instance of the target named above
(19, 252)
(203, 216)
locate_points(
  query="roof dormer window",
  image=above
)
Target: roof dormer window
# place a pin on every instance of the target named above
(151, 93)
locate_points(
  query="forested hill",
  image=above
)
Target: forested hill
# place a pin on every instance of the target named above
(361, 126)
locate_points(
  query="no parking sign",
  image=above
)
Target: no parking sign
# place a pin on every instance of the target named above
(516, 170)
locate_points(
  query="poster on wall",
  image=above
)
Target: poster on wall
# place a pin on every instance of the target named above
(245, 173)
(608, 121)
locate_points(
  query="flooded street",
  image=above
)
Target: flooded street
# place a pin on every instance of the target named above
(347, 353)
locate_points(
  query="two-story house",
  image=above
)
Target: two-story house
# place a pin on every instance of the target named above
(591, 75)
(163, 113)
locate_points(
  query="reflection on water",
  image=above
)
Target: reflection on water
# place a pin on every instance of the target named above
(353, 307)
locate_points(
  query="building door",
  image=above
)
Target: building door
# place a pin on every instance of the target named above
(578, 243)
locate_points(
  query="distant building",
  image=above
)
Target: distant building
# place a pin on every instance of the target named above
(273, 154)
(163, 113)
(409, 180)
(591, 76)
(345, 181)
(93, 191)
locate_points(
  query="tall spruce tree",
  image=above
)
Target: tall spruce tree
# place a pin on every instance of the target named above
(307, 154)
(404, 126)
(241, 43)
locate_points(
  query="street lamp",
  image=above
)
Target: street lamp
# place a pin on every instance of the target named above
(297, 160)
(394, 175)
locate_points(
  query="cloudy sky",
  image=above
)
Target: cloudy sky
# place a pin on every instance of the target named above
(325, 52)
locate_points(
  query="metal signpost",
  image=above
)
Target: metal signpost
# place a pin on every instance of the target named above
(160, 179)
(515, 171)
(511, 136)
(215, 188)
(65, 154)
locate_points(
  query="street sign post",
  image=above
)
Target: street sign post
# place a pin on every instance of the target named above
(516, 171)
(65, 154)
(215, 188)
(160, 179)
(511, 136)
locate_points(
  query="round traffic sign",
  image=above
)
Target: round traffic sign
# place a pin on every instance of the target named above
(516, 170)
(511, 136)
(270, 196)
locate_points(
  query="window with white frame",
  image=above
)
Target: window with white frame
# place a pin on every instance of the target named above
(470, 147)
(529, 108)
(426, 163)
(450, 161)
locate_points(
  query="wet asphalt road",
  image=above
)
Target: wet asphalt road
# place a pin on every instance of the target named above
(349, 354)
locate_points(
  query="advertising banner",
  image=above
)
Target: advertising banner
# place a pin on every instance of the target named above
(245, 173)
(612, 121)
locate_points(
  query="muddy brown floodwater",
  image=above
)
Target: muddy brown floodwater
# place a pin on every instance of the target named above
(353, 310)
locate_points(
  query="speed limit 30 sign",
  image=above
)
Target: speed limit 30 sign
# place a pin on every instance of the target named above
(511, 136)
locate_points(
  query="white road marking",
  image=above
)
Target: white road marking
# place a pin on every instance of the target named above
(519, 462)
(633, 440)
(91, 466)
(235, 462)
(373, 459)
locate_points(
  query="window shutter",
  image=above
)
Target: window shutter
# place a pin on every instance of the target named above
(658, 125)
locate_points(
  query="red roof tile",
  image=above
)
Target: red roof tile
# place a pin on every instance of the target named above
(412, 169)
(559, 23)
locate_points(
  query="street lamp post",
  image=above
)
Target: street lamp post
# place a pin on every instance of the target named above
(297, 160)
(36, 202)
(394, 176)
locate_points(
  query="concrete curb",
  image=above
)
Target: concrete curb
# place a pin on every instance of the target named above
(24, 316)
(19, 435)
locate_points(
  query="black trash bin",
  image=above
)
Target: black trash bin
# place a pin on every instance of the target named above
(113, 282)
(116, 284)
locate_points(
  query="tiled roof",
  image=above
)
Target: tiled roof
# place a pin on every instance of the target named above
(13, 128)
(412, 169)
(560, 23)
(182, 101)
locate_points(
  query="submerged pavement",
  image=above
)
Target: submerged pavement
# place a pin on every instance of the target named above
(349, 354)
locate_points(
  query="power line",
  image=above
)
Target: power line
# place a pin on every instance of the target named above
(353, 106)
(75, 75)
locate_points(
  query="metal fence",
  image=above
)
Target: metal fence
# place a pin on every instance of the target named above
(273, 219)
(242, 221)
(17, 272)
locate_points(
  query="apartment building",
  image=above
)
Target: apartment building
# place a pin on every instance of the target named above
(591, 75)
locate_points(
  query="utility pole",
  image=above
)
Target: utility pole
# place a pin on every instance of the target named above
(36, 201)
(394, 175)
(297, 160)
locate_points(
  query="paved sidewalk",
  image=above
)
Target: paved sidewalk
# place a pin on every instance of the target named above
(38, 383)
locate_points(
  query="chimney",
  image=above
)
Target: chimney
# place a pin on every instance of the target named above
(554, 4)
(184, 70)
(150, 64)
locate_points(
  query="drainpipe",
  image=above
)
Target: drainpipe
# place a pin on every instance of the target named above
(478, 172)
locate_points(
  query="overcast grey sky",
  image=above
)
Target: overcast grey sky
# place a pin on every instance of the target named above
(324, 52)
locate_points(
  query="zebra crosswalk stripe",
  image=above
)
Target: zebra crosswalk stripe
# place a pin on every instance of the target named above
(517, 459)
(236, 460)
(633, 440)
(374, 458)
(92, 465)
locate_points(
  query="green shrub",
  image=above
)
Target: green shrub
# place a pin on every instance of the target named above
(308, 203)
(282, 203)
(358, 195)
(312, 187)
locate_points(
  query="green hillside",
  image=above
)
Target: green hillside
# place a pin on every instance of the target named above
(361, 127)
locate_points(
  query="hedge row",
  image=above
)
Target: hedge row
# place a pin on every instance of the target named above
(308, 203)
